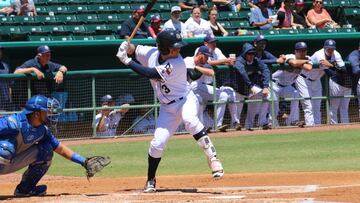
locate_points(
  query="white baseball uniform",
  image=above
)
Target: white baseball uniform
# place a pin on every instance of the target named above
(204, 91)
(178, 102)
(282, 81)
(111, 123)
(178, 26)
(232, 96)
(309, 85)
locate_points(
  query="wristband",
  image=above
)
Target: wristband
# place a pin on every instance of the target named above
(77, 158)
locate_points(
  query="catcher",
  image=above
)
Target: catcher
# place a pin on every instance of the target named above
(25, 140)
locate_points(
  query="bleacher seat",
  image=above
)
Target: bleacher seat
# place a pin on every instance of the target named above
(85, 38)
(162, 7)
(106, 18)
(88, 18)
(269, 32)
(123, 16)
(62, 38)
(165, 16)
(75, 29)
(327, 30)
(98, 29)
(226, 24)
(341, 3)
(244, 24)
(45, 19)
(355, 3)
(77, 9)
(55, 29)
(136, 5)
(100, 8)
(7, 20)
(105, 37)
(67, 19)
(345, 29)
(308, 31)
(77, 1)
(114, 27)
(288, 31)
(34, 30)
(121, 8)
(42, 10)
(39, 38)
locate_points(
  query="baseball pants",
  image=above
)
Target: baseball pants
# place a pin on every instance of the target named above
(339, 104)
(170, 117)
(288, 91)
(205, 93)
(234, 108)
(307, 88)
(261, 108)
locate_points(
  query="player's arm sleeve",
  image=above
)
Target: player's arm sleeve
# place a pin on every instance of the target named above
(24, 65)
(270, 59)
(265, 73)
(147, 72)
(339, 61)
(50, 138)
(54, 66)
(194, 74)
(241, 69)
(354, 58)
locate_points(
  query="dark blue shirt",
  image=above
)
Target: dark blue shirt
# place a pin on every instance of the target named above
(129, 25)
(17, 130)
(47, 86)
(267, 58)
(243, 76)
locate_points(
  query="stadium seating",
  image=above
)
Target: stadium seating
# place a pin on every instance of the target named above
(77, 19)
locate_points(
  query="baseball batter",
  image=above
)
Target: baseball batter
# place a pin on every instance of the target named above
(166, 69)
(283, 79)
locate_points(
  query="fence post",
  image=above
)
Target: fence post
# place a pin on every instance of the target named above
(327, 100)
(215, 105)
(93, 97)
(273, 116)
(29, 88)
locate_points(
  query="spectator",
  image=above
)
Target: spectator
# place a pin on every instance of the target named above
(354, 59)
(7, 7)
(262, 16)
(145, 124)
(191, 4)
(251, 77)
(196, 26)
(107, 120)
(285, 16)
(227, 5)
(217, 29)
(40, 66)
(319, 17)
(5, 86)
(25, 8)
(175, 23)
(299, 14)
(155, 24)
(129, 25)
(266, 57)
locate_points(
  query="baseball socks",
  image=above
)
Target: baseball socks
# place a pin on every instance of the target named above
(150, 185)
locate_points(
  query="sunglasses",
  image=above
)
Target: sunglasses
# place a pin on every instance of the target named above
(318, 2)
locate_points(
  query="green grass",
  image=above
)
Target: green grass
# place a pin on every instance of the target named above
(321, 151)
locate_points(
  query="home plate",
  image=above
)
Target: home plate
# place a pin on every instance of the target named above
(228, 197)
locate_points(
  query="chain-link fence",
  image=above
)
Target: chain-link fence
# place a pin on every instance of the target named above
(81, 92)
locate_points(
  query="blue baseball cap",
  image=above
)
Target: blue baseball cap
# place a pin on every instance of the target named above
(330, 44)
(300, 45)
(205, 50)
(106, 99)
(210, 38)
(260, 38)
(43, 49)
(155, 19)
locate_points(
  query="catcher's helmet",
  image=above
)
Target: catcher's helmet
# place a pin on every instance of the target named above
(169, 38)
(42, 103)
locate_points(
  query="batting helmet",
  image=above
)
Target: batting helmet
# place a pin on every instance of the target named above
(169, 39)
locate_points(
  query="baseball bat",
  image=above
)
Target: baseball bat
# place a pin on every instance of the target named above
(142, 18)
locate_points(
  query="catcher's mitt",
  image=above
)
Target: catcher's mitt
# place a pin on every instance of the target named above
(95, 164)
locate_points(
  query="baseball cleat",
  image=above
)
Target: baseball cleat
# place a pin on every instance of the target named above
(150, 186)
(39, 190)
(238, 127)
(216, 168)
(222, 128)
(300, 124)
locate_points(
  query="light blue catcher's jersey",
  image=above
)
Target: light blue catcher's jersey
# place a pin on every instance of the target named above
(17, 130)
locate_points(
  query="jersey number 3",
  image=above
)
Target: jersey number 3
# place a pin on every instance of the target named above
(165, 88)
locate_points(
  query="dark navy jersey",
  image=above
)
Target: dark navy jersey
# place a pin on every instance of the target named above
(17, 130)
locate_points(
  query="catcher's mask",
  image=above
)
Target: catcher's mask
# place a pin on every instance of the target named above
(42, 103)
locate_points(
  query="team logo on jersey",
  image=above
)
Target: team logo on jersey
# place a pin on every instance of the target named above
(168, 68)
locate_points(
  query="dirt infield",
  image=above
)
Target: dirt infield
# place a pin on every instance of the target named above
(303, 187)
